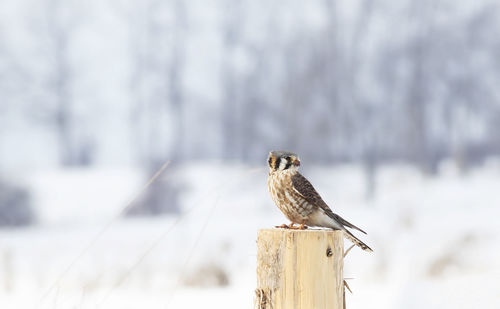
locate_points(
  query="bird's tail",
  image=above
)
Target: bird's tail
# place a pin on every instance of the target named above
(356, 241)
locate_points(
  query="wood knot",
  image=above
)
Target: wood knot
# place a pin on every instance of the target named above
(261, 299)
(329, 252)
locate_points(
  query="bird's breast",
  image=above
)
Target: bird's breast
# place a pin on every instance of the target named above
(288, 200)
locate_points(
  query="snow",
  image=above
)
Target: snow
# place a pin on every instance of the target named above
(435, 240)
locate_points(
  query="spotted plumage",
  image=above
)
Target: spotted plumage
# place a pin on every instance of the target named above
(298, 200)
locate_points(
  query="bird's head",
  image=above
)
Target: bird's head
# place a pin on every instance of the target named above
(283, 160)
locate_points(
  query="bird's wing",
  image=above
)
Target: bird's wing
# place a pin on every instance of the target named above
(302, 186)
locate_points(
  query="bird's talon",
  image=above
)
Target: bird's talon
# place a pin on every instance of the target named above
(300, 227)
(283, 226)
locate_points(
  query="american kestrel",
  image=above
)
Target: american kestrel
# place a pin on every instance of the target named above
(298, 200)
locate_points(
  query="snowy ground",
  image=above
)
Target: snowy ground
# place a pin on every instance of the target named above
(436, 240)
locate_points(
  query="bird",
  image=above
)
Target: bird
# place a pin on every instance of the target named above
(298, 200)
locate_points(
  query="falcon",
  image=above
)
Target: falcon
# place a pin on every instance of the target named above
(298, 200)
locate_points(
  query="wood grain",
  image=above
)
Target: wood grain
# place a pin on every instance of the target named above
(299, 269)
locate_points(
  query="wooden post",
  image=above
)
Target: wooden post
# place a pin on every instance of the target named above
(299, 269)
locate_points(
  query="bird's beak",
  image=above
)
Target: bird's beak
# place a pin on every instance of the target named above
(296, 162)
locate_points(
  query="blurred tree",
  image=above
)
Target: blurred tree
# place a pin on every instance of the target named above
(232, 19)
(468, 97)
(4, 78)
(175, 70)
(53, 78)
(368, 122)
(156, 40)
(15, 205)
(58, 33)
(417, 104)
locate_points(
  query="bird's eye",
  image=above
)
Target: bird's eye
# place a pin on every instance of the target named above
(269, 160)
(288, 158)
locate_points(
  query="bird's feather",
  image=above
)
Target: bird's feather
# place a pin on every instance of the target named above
(356, 241)
(302, 186)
